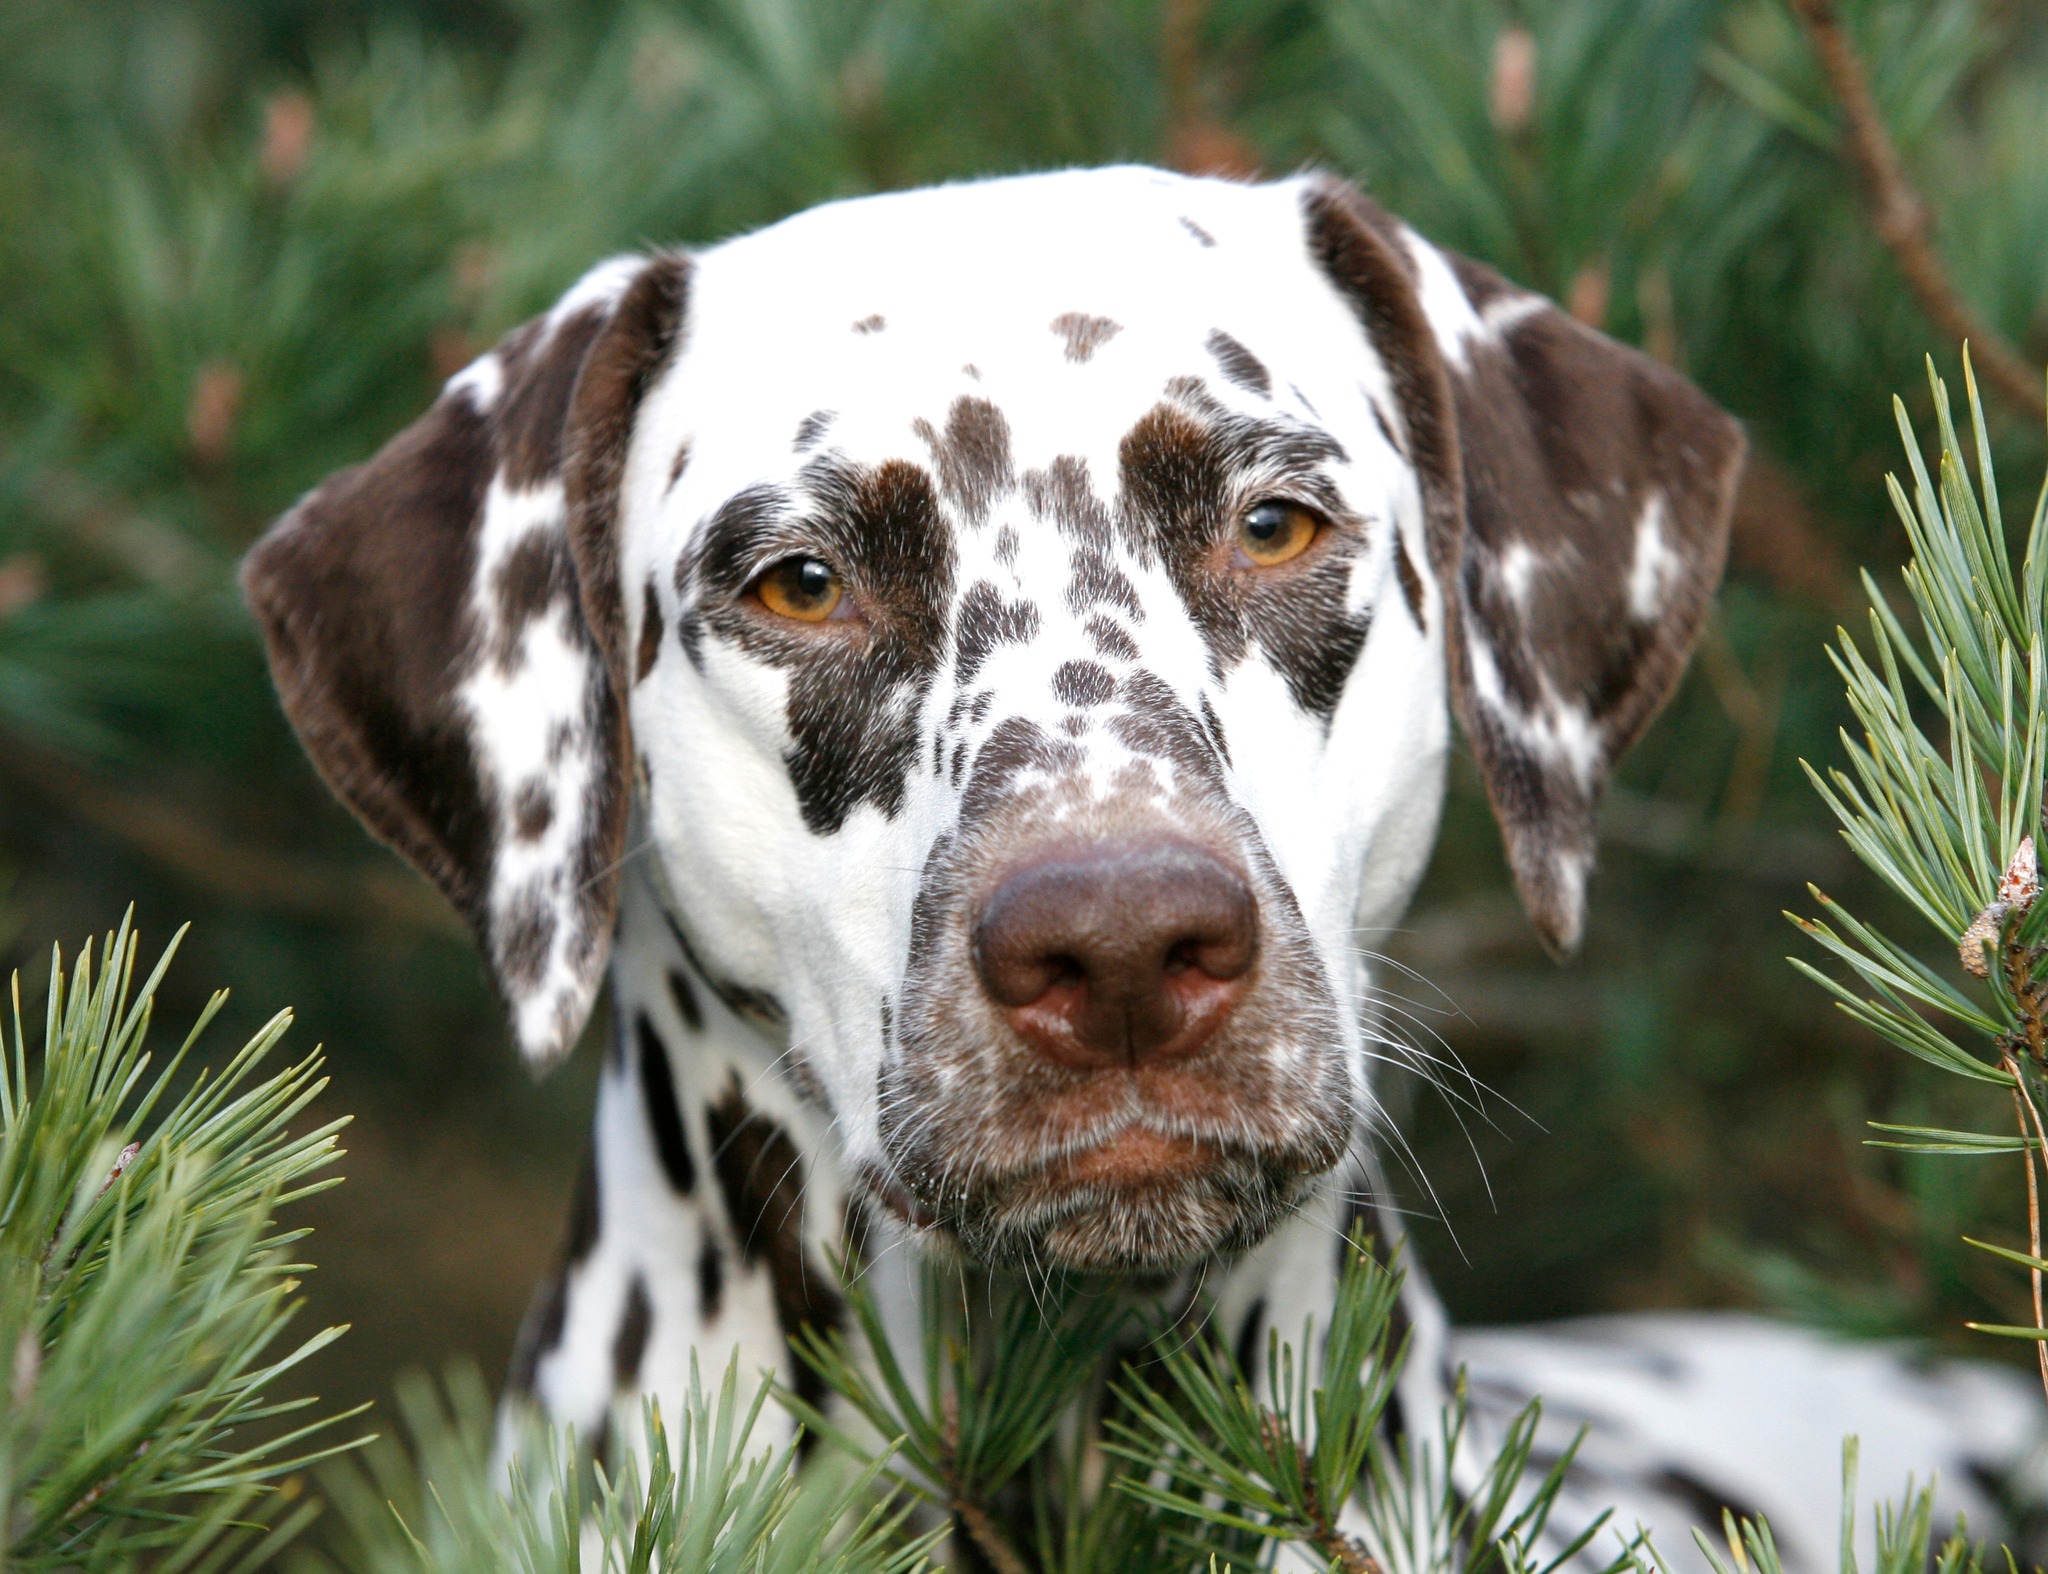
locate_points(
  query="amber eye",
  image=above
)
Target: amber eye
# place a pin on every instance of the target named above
(804, 588)
(1273, 532)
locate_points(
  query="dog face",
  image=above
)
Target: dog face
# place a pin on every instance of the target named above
(1020, 623)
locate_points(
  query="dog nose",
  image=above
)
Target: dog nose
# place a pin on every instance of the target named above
(1120, 953)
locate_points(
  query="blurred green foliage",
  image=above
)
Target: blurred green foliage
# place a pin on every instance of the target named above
(241, 242)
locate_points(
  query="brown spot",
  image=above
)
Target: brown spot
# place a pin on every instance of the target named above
(541, 1329)
(873, 323)
(685, 999)
(586, 1212)
(629, 1344)
(1240, 366)
(679, 464)
(972, 455)
(986, 621)
(521, 940)
(762, 1177)
(534, 574)
(1411, 582)
(1110, 640)
(1082, 684)
(1063, 493)
(664, 1112)
(650, 633)
(1084, 334)
(1379, 419)
(533, 809)
(710, 1280)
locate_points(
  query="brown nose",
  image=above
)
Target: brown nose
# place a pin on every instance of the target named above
(1119, 953)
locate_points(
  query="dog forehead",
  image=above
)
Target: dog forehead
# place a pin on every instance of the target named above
(1068, 301)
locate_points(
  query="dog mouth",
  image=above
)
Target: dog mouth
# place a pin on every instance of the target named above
(1141, 1202)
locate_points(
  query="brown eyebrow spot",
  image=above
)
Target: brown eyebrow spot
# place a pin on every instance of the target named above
(1239, 364)
(972, 455)
(1084, 334)
(676, 465)
(873, 323)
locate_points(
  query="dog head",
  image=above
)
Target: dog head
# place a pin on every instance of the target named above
(1020, 622)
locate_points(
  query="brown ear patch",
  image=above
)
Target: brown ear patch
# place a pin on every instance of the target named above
(371, 701)
(1593, 489)
(445, 627)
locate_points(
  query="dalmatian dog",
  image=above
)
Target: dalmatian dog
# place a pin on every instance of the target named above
(965, 664)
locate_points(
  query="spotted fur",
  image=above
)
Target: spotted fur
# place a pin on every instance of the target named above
(1022, 421)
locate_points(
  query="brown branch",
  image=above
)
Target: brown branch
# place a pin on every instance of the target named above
(1346, 1552)
(993, 1544)
(1902, 218)
(235, 871)
(968, 1510)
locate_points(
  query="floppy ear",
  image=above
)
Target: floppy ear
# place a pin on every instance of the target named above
(444, 625)
(1578, 497)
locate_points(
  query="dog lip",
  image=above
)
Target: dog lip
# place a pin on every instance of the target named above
(899, 1202)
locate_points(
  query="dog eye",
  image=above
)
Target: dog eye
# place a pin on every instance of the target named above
(1272, 532)
(805, 588)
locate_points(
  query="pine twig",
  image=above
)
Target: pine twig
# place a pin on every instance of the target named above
(1345, 1552)
(991, 1542)
(2022, 1108)
(972, 1515)
(1902, 217)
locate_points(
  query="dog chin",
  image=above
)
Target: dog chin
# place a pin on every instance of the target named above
(1130, 1231)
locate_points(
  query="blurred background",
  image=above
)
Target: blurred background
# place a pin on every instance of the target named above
(241, 243)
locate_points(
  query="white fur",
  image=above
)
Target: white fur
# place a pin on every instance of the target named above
(1654, 566)
(515, 708)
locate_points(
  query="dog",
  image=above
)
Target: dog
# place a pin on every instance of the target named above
(965, 664)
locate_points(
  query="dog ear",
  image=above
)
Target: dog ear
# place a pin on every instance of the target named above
(1578, 496)
(444, 627)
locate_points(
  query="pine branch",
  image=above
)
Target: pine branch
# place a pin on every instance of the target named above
(144, 1288)
(1952, 827)
(1902, 217)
